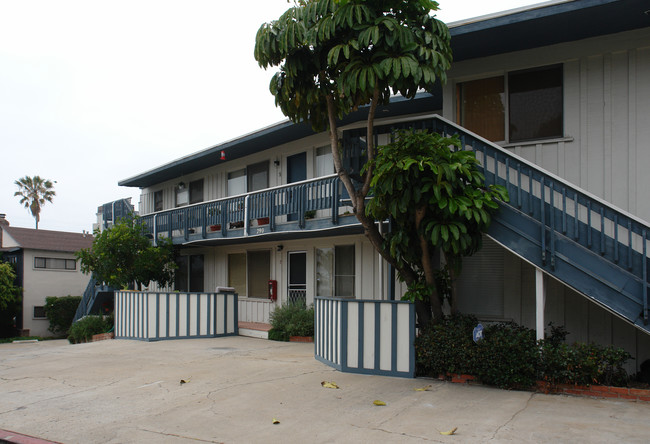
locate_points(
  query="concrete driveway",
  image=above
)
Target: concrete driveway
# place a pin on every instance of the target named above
(122, 391)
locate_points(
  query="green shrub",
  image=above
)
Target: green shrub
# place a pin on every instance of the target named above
(84, 329)
(278, 335)
(510, 357)
(292, 320)
(60, 312)
(507, 356)
(446, 347)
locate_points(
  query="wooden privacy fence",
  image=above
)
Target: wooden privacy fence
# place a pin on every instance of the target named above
(366, 336)
(153, 316)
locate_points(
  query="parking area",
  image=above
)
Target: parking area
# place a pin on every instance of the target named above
(231, 389)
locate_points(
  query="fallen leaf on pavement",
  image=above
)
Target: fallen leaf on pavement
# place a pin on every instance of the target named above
(329, 385)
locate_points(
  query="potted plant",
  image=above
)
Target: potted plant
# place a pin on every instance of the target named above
(310, 214)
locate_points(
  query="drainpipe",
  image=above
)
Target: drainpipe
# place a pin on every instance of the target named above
(540, 302)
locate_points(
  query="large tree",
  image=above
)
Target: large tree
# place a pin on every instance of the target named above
(123, 255)
(334, 56)
(9, 293)
(436, 197)
(33, 193)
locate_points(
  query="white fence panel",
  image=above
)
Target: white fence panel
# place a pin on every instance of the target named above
(154, 316)
(366, 336)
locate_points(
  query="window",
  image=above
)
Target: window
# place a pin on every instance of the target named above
(237, 272)
(249, 273)
(182, 194)
(51, 263)
(531, 100)
(39, 312)
(189, 275)
(259, 273)
(237, 182)
(324, 161)
(258, 176)
(158, 200)
(335, 271)
(252, 178)
(196, 191)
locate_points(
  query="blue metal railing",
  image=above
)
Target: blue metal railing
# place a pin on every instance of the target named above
(231, 214)
(116, 210)
(579, 238)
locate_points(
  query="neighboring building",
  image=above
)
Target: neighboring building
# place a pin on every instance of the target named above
(565, 85)
(46, 266)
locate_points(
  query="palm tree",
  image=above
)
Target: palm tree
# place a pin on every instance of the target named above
(34, 192)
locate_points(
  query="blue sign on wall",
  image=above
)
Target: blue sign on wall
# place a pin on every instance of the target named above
(478, 333)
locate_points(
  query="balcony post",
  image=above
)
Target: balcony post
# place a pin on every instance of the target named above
(272, 196)
(246, 215)
(155, 230)
(540, 299)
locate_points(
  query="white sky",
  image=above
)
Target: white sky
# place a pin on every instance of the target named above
(94, 92)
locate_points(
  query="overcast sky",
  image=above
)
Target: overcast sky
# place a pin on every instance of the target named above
(94, 92)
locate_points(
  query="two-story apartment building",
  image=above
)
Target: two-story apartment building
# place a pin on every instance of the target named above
(555, 100)
(46, 266)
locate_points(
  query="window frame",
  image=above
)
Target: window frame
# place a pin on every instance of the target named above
(334, 276)
(506, 75)
(40, 307)
(158, 199)
(47, 263)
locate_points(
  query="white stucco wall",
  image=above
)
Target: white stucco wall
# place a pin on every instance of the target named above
(41, 283)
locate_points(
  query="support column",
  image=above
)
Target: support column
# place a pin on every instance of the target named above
(540, 302)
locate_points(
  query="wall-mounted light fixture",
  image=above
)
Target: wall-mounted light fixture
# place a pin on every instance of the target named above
(280, 247)
(276, 162)
(223, 155)
(181, 186)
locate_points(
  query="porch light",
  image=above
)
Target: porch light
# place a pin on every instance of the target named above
(223, 155)
(181, 186)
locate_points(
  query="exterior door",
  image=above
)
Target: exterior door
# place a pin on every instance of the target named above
(297, 290)
(296, 171)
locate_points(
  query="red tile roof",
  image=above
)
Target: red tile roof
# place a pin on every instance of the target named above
(30, 238)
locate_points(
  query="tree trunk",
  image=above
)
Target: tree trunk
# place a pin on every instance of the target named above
(428, 267)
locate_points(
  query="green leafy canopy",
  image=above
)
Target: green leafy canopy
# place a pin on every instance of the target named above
(427, 175)
(122, 255)
(350, 49)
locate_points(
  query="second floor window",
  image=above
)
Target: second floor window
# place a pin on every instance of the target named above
(158, 200)
(254, 177)
(324, 161)
(517, 107)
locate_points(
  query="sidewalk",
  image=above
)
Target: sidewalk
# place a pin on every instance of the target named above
(121, 391)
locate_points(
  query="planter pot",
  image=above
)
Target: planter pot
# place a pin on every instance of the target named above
(102, 337)
(215, 227)
(263, 221)
(301, 339)
(238, 224)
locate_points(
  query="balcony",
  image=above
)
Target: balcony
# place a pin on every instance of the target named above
(287, 211)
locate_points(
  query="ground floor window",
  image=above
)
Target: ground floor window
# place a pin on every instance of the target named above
(189, 275)
(53, 263)
(39, 312)
(249, 273)
(335, 271)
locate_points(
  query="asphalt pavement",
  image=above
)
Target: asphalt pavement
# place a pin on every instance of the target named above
(246, 390)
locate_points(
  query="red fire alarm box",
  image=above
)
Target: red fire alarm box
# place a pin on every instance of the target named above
(273, 290)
